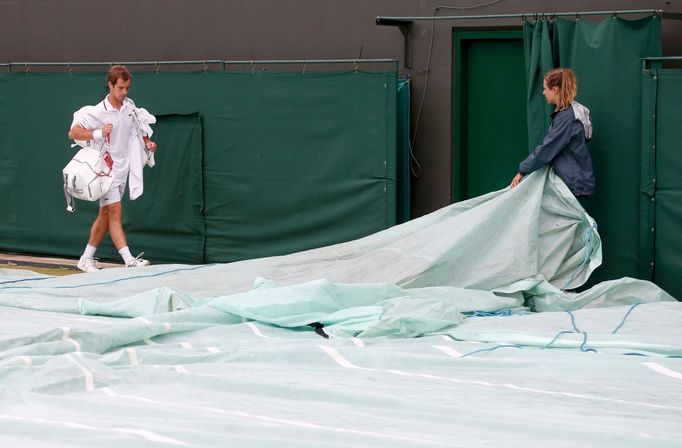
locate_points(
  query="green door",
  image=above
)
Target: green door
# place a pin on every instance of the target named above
(490, 133)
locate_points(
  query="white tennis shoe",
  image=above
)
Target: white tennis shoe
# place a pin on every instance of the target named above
(88, 265)
(138, 262)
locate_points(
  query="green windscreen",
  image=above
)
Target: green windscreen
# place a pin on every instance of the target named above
(661, 197)
(249, 164)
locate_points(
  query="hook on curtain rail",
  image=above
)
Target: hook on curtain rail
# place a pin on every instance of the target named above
(253, 67)
(156, 67)
(305, 65)
(357, 66)
(205, 66)
(577, 16)
(27, 68)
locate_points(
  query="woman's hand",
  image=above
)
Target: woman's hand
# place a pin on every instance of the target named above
(516, 180)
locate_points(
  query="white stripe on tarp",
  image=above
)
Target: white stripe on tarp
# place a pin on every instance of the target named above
(185, 345)
(143, 319)
(448, 351)
(43, 421)
(292, 423)
(336, 356)
(663, 370)
(143, 433)
(537, 391)
(149, 341)
(110, 393)
(133, 356)
(256, 331)
(149, 435)
(66, 337)
(89, 379)
(357, 342)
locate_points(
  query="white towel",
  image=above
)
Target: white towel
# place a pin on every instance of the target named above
(139, 155)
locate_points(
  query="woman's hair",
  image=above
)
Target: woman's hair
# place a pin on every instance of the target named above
(565, 80)
(117, 72)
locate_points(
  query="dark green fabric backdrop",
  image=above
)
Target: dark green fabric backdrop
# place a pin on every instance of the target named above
(266, 163)
(169, 214)
(661, 196)
(404, 150)
(606, 57)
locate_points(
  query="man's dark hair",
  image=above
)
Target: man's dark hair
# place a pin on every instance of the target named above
(117, 72)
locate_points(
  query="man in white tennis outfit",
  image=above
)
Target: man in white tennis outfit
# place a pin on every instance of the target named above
(111, 125)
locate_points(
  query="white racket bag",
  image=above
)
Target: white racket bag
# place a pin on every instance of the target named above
(88, 176)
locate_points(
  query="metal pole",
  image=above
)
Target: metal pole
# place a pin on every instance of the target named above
(312, 61)
(222, 63)
(645, 61)
(528, 15)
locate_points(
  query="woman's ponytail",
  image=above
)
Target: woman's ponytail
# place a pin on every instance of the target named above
(565, 80)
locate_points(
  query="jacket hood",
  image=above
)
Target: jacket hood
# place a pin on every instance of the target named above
(582, 114)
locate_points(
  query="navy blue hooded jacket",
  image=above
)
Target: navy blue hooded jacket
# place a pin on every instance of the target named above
(565, 148)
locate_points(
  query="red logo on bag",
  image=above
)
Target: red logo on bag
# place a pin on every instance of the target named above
(108, 160)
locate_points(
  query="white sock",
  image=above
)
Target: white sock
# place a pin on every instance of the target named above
(127, 256)
(89, 251)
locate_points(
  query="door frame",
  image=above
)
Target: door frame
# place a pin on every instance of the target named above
(460, 36)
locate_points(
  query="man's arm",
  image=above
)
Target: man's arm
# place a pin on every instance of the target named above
(78, 132)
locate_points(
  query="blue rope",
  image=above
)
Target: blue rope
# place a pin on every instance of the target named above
(582, 346)
(502, 312)
(575, 327)
(586, 259)
(555, 338)
(157, 274)
(24, 280)
(573, 321)
(625, 317)
(491, 349)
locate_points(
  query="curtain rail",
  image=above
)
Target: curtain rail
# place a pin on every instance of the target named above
(645, 61)
(528, 15)
(224, 63)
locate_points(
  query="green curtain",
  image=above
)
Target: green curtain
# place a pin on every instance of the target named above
(606, 57)
(403, 147)
(661, 196)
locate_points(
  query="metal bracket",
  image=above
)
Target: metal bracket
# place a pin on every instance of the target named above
(405, 27)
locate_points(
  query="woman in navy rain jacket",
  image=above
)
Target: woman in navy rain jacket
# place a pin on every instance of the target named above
(565, 145)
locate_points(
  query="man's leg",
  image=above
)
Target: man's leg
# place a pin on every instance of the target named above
(97, 232)
(99, 228)
(118, 236)
(114, 222)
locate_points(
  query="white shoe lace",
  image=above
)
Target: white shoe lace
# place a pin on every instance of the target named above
(137, 261)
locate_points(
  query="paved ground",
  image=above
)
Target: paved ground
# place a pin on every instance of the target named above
(44, 265)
